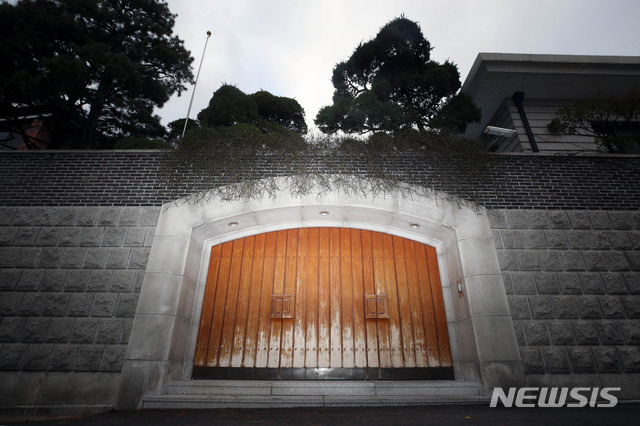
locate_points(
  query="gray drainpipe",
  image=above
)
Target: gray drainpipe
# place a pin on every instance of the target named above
(517, 99)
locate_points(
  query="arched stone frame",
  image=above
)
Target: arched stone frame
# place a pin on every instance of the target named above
(163, 336)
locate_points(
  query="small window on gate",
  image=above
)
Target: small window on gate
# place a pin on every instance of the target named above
(282, 306)
(376, 306)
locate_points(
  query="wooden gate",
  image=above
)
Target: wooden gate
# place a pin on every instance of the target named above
(334, 303)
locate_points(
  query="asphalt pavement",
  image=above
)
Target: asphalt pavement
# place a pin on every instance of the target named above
(622, 414)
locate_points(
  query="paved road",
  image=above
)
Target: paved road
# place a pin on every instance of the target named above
(623, 414)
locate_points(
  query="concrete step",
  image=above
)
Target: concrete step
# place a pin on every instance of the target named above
(283, 394)
(273, 401)
(355, 388)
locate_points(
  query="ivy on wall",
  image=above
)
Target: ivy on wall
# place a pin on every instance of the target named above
(246, 162)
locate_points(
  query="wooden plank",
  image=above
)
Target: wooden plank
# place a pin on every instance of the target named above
(219, 302)
(324, 309)
(254, 303)
(428, 314)
(369, 289)
(204, 330)
(267, 281)
(242, 304)
(404, 304)
(444, 347)
(335, 298)
(359, 327)
(384, 336)
(299, 319)
(311, 276)
(395, 330)
(346, 278)
(275, 337)
(417, 320)
(230, 307)
(290, 279)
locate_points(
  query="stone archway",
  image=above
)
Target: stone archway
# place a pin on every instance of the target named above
(164, 334)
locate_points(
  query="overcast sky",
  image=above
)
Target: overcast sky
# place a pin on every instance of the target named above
(289, 47)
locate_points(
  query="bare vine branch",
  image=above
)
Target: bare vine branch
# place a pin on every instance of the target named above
(244, 163)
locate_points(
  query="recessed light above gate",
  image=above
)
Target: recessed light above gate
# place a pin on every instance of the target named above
(324, 213)
(233, 224)
(414, 225)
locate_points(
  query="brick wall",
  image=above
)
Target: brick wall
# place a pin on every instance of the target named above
(105, 178)
(573, 286)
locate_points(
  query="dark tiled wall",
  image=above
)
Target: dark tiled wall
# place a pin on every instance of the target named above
(105, 178)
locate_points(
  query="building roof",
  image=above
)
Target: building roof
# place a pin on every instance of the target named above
(497, 76)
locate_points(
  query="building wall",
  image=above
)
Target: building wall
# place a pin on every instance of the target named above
(69, 284)
(539, 113)
(76, 231)
(573, 285)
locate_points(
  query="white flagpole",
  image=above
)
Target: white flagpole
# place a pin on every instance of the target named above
(194, 85)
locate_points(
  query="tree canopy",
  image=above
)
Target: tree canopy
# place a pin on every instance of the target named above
(281, 110)
(230, 105)
(390, 83)
(94, 68)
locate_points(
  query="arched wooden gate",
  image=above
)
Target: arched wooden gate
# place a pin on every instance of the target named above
(323, 303)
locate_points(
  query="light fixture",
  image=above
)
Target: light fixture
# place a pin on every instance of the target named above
(414, 225)
(324, 213)
(233, 224)
(499, 131)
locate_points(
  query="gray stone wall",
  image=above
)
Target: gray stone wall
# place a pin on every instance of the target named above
(70, 278)
(573, 286)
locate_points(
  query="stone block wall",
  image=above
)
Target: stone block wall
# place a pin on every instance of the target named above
(573, 286)
(70, 278)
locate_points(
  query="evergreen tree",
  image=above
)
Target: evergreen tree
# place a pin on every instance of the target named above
(390, 83)
(94, 68)
(230, 105)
